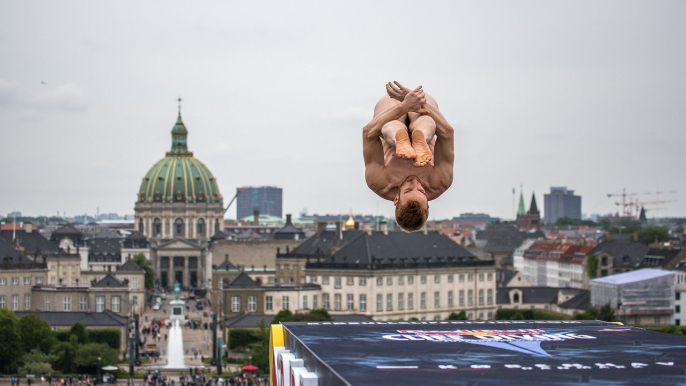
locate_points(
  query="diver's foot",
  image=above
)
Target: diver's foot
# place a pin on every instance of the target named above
(421, 149)
(403, 146)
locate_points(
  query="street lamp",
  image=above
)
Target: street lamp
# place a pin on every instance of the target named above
(99, 364)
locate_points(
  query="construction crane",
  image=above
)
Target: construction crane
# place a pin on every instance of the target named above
(238, 191)
(624, 195)
(630, 206)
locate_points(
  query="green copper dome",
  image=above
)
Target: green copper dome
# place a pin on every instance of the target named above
(179, 177)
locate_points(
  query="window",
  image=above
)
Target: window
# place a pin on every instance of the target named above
(481, 315)
(490, 278)
(305, 302)
(437, 299)
(401, 301)
(451, 278)
(379, 280)
(201, 227)
(313, 279)
(401, 279)
(252, 303)
(116, 304)
(389, 280)
(235, 304)
(350, 281)
(284, 303)
(490, 316)
(15, 281)
(325, 302)
(67, 303)
(657, 320)
(461, 278)
(437, 278)
(179, 227)
(315, 301)
(74, 281)
(15, 302)
(47, 303)
(489, 298)
(410, 301)
(282, 280)
(27, 281)
(470, 298)
(39, 280)
(379, 303)
(678, 295)
(422, 300)
(461, 298)
(100, 304)
(389, 302)
(337, 282)
(481, 297)
(325, 280)
(363, 281)
(410, 279)
(470, 277)
(337, 302)
(134, 283)
(53, 280)
(450, 298)
(481, 277)
(422, 279)
(302, 280)
(351, 302)
(27, 302)
(678, 309)
(603, 260)
(269, 303)
(83, 303)
(3, 281)
(3, 301)
(363, 303)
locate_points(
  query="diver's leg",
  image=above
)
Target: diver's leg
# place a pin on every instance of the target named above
(422, 129)
(395, 133)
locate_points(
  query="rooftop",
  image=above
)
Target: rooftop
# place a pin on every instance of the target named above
(633, 276)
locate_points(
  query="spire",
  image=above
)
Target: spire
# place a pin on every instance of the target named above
(642, 216)
(533, 208)
(179, 136)
(521, 211)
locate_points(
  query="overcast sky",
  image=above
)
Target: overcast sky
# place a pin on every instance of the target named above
(585, 94)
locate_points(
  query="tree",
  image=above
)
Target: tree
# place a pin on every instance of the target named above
(259, 351)
(79, 331)
(591, 266)
(282, 316)
(604, 313)
(653, 234)
(145, 265)
(87, 355)
(562, 221)
(36, 334)
(64, 354)
(320, 314)
(36, 363)
(10, 349)
(458, 316)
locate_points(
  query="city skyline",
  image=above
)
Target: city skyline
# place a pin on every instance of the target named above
(585, 95)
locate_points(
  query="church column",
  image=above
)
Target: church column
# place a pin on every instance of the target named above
(186, 274)
(170, 273)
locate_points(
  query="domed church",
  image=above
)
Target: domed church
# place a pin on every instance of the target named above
(179, 207)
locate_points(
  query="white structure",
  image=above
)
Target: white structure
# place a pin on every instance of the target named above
(679, 298)
(642, 297)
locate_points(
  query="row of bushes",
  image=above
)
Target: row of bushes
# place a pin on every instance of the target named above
(108, 336)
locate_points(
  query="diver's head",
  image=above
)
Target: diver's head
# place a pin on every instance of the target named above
(411, 205)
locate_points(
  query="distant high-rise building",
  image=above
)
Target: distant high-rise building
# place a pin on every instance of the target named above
(267, 199)
(559, 203)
